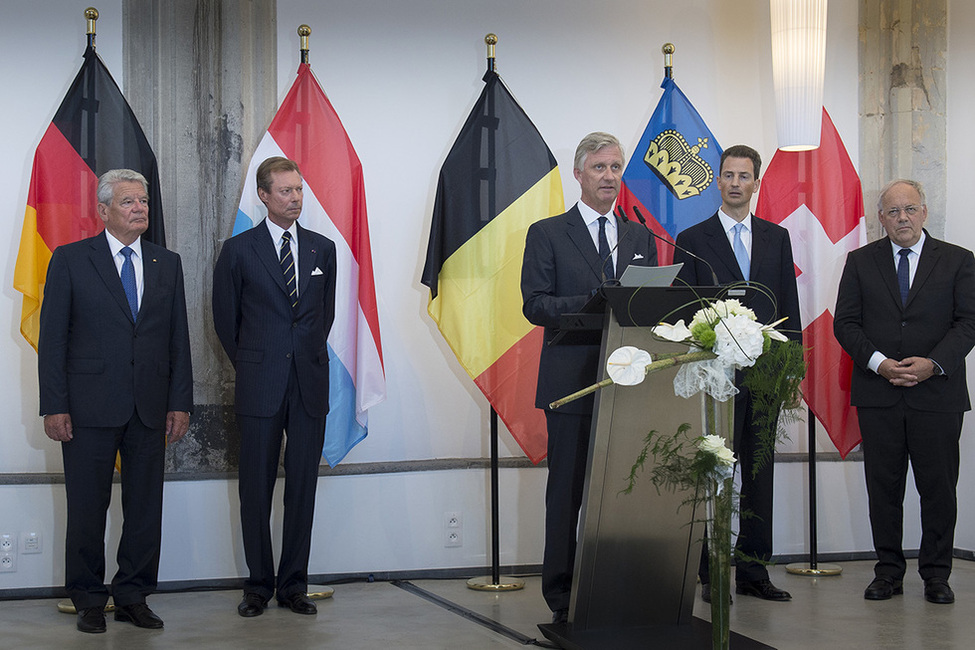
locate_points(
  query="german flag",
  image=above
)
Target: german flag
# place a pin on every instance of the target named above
(498, 179)
(93, 131)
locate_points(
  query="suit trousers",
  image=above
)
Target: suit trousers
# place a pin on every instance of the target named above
(753, 548)
(260, 452)
(568, 452)
(929, 440)
(89, 466)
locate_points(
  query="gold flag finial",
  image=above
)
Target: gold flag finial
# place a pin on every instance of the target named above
(91, 15)
(304, 31)
(491, 40)
(668, 51)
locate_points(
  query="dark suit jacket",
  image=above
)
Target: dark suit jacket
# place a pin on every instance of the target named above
(938, 322)
(771, 266)
(94, 363)
(560, 270)
(260, 331)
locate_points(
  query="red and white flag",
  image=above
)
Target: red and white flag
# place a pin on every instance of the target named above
(817, 196)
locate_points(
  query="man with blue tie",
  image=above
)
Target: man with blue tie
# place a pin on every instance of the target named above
(115, 377)
(741, 247)
(905, 313)
(273, 307)
(567, 258)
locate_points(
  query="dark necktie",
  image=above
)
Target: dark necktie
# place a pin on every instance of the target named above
(605, 254)
(128, 282)
(288, 268)
(904, 274)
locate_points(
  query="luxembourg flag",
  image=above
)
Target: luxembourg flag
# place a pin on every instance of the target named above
(306, 129)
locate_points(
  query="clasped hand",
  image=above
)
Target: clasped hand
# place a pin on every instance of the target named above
(906, 372)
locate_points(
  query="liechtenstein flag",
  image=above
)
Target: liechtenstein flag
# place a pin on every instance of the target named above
(672, 175)
(306, 129)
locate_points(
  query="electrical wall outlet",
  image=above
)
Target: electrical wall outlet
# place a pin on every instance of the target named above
(452, 519)
(8, 543)
(30, 542)
(8, 562)
(453, 529)
(453, 538)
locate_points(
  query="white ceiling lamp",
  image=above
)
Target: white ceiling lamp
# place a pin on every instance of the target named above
(798, 71)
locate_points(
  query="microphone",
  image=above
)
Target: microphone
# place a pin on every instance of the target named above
(639, 215)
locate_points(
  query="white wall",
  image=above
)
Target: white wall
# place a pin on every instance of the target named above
(403, 76)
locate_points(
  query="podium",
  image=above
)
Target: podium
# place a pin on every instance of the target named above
(636, 564)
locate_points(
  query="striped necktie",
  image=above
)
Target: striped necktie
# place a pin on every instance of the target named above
(288, 268)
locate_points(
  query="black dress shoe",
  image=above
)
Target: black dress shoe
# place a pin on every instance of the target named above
(706, 593)
(936, 590)
(139, 615)
(299, 603)
(882, 588)
(91, 620)
(560, 616)
(251, 605)
(763, 589)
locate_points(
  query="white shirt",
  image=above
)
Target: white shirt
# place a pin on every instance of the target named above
(729, 229)
(877, 357)
(591, 219)
(115, 246)
(277, 234)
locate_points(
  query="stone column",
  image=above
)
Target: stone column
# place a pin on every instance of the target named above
(201, 77)
(903, 45)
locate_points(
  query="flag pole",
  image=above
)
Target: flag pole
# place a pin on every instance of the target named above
(91, 15)
(813, 567)
(668, 51)
(495, 581)
(315, 592)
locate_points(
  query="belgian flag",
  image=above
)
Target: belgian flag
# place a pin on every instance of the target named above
(93, 131)
(499, 178)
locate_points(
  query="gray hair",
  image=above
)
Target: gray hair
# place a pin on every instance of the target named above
(107, 181)
(915, 184)
(594, 142)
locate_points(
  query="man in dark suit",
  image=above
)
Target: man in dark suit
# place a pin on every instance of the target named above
(567, 258)
(739, 247)
(273, 307)
(115, 377)
(905, 313)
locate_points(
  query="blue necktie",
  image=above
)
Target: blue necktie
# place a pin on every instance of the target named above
(128, 282)
(605, 254)
(288, 268)
(904, 274)
(740, 253)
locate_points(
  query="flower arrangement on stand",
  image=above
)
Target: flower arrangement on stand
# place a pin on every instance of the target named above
(723, 337)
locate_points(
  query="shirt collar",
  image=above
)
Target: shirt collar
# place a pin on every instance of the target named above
(916, 248)
(727, 223)
(276, 231)
(590, 216)
(115, 246)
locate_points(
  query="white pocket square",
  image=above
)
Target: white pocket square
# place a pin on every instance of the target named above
(317, 271)
(637, 256)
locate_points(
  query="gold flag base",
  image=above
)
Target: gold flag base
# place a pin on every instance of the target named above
(804, 569)
(67, 607)
(504, 583)
(320, 592)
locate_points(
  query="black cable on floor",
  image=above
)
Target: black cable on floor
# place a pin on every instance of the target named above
(484, 621)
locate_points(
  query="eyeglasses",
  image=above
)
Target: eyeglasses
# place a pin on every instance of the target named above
(909, 210)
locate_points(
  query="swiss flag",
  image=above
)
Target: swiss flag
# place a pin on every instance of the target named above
(817, 196)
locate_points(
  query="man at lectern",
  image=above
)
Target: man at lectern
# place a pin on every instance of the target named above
(739, 247)
(567, 258)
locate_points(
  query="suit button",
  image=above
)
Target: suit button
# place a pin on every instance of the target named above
(903, 323)
(294, 324)
(288, 355)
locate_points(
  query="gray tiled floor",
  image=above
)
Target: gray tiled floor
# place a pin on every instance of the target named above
(826, 612)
